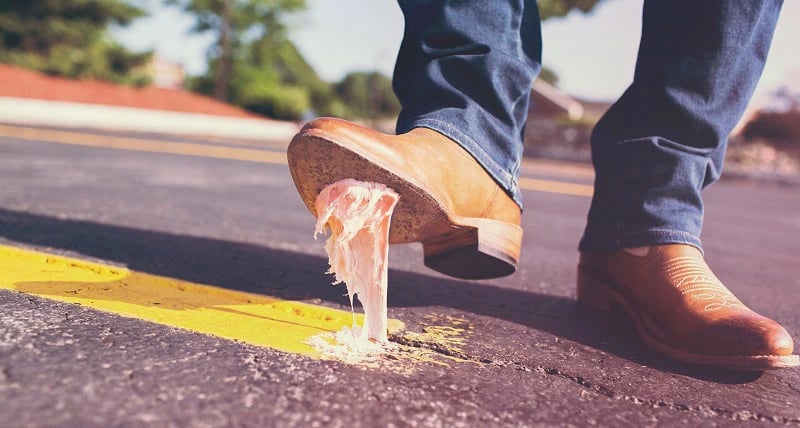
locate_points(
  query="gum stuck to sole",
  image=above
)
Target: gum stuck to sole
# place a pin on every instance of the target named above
(468, 248)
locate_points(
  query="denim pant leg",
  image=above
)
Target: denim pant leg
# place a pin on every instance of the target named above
(665, 139)
(465, 69)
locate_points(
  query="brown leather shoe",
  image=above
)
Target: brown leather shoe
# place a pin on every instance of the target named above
(468, 226)
(681, 309)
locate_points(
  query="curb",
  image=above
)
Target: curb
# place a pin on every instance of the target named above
(24, 111)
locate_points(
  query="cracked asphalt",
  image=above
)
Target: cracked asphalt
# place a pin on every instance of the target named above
(520, 352)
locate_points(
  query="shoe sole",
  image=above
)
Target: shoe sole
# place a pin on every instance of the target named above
(603, 298)
(462, 247)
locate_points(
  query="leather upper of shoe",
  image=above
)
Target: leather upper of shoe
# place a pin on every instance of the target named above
(430, 161)
(683, 304)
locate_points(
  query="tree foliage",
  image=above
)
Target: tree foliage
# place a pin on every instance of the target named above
(548, 75)
(254, 64)
(368, 95)
(235, 23)
(70, 38)
(270, 76)
(558, 8)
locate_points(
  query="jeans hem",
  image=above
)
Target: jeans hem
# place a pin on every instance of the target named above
(640, 239)
(499, 174)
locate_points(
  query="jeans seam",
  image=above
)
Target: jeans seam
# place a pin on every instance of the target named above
(695, 151)
(668, 234)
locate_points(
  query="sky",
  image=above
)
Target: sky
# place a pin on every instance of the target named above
(594, 55)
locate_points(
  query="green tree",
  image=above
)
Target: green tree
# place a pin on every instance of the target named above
(70, 38)
(272, 79)
(558, 8)
(548, 75)
(254, 64)
(282, 62)
(368, 95)
(235, 22)
(269, 76)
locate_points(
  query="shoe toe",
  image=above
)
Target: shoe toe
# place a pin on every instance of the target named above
(751, 334)
(780, 343)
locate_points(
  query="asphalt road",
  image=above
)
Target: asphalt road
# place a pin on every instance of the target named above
(522, 353)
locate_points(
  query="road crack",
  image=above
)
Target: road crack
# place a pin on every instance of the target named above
(437, 348)
(701, 410)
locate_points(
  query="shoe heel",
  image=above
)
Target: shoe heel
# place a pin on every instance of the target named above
(594, 293)
(475, 249)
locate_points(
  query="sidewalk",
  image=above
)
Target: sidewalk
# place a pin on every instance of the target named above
(30, 98)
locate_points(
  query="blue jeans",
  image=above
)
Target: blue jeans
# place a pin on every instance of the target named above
(465, 69)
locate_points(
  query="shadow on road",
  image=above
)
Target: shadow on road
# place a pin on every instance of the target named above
(288, 275)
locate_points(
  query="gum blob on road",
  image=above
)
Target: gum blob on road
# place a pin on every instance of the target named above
(358, 215)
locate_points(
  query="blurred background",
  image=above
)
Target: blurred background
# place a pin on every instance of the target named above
(292, 60)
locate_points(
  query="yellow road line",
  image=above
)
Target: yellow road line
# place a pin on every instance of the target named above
(252, 318)
(225, 152)
(143, 145)
(561, 187)
(556, 167)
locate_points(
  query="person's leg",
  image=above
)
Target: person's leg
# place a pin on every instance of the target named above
(664, 140)
(465, 69)
(654, 151)
(463, 76)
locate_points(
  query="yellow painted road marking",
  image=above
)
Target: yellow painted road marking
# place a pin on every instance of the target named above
(251, 318)
(224, 152)
(143, 145)
(557, 167)
(561, 187)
